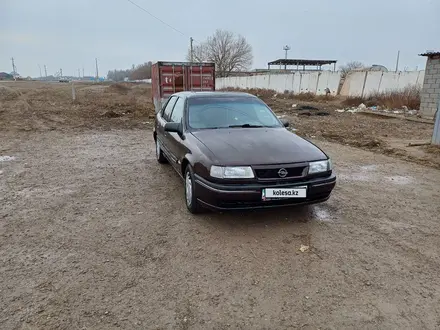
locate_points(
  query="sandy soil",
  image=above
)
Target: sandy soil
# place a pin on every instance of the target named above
(39, 106)
(382, 134)
(94, 234)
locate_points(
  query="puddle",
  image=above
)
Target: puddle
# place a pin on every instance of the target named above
(369, 167)
(368, 173)
(365, 173)
(321, 214)
(356, 177)
(400, 179)
(6, 158)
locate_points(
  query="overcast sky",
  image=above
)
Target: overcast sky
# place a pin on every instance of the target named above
(69, 34)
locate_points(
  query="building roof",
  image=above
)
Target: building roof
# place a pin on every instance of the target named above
(429, 54)
(288, 61)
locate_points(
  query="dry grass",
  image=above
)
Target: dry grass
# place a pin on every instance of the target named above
(268, 93)
(409, 97)
(310, 97)
(119, 88)
(433, 149)
(7, 93)
(43, 106)
(260, 92)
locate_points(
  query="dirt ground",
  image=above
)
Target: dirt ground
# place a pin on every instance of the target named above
(379, 133)
(39, 106)
(94, 234)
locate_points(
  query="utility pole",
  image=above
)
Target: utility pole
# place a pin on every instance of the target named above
(79, 73)
(397, 62)
(97, 73)
(83, 72)
(286, 49)
(191, 49)
(45, 70)
(39, 66)
(61, 73)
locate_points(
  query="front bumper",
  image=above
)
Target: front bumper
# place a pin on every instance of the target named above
(248, 196)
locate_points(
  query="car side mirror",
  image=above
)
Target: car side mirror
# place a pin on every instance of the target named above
(285, 122)
(173, 128)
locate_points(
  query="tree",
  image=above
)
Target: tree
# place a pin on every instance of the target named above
(228, 51)
(142, 71)
(138, 72)
(350, 66)
(118, 75)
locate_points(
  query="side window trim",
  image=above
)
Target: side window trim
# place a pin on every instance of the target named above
(164, 106)
(174, 100)
(183, 110)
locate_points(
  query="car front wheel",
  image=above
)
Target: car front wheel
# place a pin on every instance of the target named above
(159, 154)
(190, 197)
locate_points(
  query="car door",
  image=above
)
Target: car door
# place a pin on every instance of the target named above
(176, 142)
(162, 118)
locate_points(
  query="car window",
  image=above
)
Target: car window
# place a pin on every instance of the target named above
(225, 112)
(169, 108)
(177, 114)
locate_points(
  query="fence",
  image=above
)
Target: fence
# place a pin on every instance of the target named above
(356, 83)
(366, 82)
(298, 82)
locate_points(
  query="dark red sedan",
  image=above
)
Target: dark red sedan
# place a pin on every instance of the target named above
(235, 154)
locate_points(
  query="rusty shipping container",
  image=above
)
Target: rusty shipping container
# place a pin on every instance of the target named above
(172, 77)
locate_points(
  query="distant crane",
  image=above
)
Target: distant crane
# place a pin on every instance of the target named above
(14, 69)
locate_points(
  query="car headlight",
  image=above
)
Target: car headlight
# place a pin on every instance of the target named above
(320, 166)
(231, 172)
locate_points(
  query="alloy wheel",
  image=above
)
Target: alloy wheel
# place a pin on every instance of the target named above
(188, 189)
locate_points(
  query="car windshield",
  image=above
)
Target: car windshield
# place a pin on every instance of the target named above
(230, 112)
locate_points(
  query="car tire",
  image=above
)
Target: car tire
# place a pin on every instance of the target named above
(159, 154)
(190, 197)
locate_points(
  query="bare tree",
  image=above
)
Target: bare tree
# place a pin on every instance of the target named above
(142, 71)
(229, 52)
(350, 66)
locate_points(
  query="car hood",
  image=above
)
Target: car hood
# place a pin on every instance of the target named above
(257, 146)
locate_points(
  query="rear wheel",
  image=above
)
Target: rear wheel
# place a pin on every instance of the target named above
(190, 197)
(159, 154)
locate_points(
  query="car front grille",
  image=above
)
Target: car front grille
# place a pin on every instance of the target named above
(281, 172)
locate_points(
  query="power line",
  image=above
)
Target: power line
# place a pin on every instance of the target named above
(163, 22)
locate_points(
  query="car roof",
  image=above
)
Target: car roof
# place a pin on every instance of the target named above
(191, 94)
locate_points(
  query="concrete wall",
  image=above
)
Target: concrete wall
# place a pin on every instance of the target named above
(359, 83)
(298, 82)
(431, 88)
(363, 83)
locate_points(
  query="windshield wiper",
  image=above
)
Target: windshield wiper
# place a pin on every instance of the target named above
(246, 126)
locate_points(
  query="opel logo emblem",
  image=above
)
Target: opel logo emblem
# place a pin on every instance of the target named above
(282, 172)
